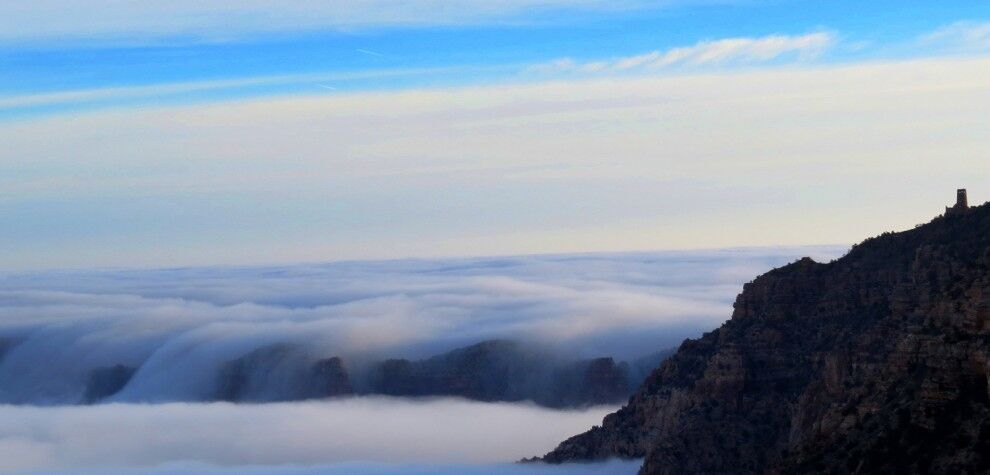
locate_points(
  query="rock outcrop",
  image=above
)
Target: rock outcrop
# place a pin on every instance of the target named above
(878, 362)
(604, 381)
(495, 370)
(502, 370)
(329, 378)
(281, 372)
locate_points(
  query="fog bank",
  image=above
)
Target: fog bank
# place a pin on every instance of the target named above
(381, 430)
(610, 468)
(179, 327)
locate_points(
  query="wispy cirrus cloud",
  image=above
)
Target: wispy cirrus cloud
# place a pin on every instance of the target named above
(704, 53)
(600, 163)
(961, 36)
(283, 83)
(111, 20)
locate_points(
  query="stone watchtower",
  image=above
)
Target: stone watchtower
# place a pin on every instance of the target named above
(962, 204)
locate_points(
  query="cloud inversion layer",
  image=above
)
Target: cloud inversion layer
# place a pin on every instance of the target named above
(384, 431)
(180, 326)
(610, 468)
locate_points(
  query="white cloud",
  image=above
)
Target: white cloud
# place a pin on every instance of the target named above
(123, 93)
(614, 467)
(730, 50)
(223, 19)
(966, 36)
(705, 53)
(441, 433)
(181, 325)
(752, 157)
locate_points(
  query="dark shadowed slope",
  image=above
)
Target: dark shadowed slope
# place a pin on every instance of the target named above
(502, 370)
(877, 362)
(494, 370)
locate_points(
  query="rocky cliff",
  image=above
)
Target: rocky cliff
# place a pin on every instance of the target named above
(502, 370)
(281, 372)
(494, 370)
(877, 362)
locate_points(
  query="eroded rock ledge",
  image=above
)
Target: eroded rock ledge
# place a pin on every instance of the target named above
(877, 362)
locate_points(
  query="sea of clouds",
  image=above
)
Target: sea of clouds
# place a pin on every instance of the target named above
(614, 467)
(379, 434)
(180, 325)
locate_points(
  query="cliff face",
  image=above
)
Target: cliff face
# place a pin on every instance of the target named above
(501, 370)
(329, 378)
(281, 373)
(874, 363)
(495, 370)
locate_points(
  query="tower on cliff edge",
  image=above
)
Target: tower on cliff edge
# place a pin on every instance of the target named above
(962, 203)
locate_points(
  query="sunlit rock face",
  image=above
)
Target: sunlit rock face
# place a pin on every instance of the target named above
(877, 362)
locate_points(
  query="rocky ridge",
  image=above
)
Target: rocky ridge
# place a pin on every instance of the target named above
(502, 370)
(495, 370)
(878, 362)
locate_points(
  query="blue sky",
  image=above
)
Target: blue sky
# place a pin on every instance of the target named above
(261, 131)
(493, 44)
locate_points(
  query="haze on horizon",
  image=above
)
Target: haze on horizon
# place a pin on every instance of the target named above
(138, 135)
